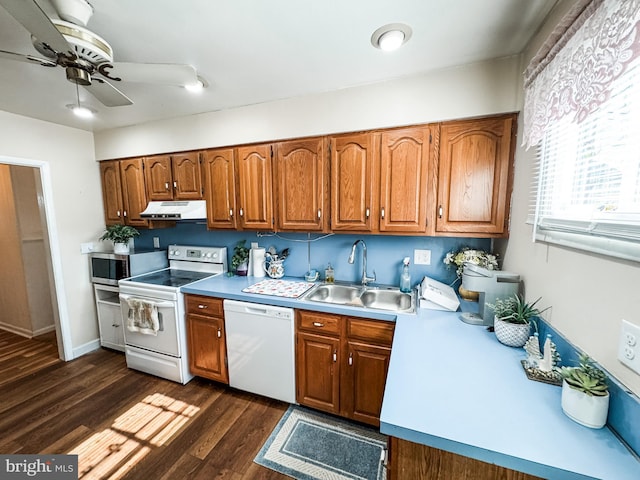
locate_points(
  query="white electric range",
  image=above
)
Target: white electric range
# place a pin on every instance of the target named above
(161, 348)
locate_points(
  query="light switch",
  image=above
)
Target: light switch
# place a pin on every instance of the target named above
(86, 247)
(422, 257)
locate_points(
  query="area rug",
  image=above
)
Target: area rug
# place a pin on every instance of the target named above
(308, 445)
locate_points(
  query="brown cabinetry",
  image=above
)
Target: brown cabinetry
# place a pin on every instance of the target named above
(173, 177)
(404, 169)
(123, 192)
(474, 176)
(255, 190)
(206, 337)
(342, 364)
(301, 183)
(412, 460)
(220, 187)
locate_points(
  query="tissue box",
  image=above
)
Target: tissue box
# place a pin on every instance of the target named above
(436, 295)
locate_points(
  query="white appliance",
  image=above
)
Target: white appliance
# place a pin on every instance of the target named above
(260, 349)
(492, 284)
(163, 352)
(176, 210)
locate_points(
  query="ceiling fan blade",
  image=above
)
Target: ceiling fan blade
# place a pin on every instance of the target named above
(33, 18)
(156, 73)
(26, 58)
(109, 95)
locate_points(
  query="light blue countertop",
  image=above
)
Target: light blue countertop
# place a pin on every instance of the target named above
(453, 386)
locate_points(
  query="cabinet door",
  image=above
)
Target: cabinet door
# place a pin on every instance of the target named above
(157, 176)
(364, 378)
(318, 373)
(112, 192)
(404, 165)
(187, 176)
(220, 188)
(301, 185)
(353, 176)
(474, 185)
(255, 197)
(207, 347)
(133, 191)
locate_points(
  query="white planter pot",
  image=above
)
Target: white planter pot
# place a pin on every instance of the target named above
(584, 409)
(511, 334)
(121, 248)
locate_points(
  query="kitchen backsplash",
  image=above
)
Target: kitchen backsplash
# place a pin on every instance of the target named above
(384, 253)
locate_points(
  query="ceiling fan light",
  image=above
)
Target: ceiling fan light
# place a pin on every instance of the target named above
(82, 112)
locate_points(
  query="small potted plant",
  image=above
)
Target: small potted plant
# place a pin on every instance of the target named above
(513, 319)
(585, 393)
(120, 236)
(457, 259)
(240, 258)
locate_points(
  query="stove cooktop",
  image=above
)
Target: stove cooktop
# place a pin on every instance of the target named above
(171, 277)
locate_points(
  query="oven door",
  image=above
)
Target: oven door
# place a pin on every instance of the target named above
(166, 341)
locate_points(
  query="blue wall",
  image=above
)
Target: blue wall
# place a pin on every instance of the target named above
(384, 253)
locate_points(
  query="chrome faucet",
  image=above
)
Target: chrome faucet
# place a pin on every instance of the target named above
(365, 279)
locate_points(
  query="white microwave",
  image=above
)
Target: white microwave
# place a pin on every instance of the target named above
(107, 268)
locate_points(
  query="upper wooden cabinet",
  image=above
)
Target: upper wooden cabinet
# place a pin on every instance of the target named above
(255, 191)
(301, 181)
(404, 169)
(220, 187)
(474, 176)
(173, 177)
(112, 192)
(354, 167)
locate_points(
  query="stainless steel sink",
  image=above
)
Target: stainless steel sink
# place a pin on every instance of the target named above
(378, 298)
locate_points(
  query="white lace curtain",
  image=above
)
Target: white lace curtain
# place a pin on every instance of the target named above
(573, 72)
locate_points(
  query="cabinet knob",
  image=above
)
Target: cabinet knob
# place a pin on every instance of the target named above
(124, 213)
(201, 306)
(166, 185)
(118, 213)
(440, 211)
(175, 184)
(231, 212)
(319, 213)
(318, 324)
(382, 212)
(367, 213)
(219, 332)
(115, 325)
(350, 358)
(335, 356)
(241, 213)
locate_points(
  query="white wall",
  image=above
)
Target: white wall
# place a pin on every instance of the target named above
(77, 208)
(589, 294)
(470, 90)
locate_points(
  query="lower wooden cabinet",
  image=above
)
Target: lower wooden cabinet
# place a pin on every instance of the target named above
(206, 337)
(342, 364)
(412, 460)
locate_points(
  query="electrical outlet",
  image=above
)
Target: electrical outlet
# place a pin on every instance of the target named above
(86, 247)
(422, 257)
(156, 242)
(628, 349)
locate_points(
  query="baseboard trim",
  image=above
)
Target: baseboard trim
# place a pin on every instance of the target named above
(86, 348)
(23, 332)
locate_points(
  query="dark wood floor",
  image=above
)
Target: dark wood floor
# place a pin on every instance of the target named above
(124, 424)
(20, 356)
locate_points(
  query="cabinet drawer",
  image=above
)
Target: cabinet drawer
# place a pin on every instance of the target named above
(319, 322)
(204, 305)
(378, 332)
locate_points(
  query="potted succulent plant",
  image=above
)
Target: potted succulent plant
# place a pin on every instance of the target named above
(120, 236)
(585, 393)
(240, 258)
(513, 319)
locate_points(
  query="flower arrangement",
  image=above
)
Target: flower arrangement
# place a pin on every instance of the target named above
(470, 255)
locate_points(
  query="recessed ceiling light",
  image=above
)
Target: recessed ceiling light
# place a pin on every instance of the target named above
(391, 36)
(196, 87)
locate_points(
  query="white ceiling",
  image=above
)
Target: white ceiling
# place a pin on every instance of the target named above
(254, 51)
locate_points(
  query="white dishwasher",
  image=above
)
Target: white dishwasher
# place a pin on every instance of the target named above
(260, 349)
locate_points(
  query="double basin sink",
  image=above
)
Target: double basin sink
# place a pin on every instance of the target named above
(376, 297)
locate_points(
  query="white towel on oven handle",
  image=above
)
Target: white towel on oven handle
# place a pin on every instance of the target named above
(143, 315)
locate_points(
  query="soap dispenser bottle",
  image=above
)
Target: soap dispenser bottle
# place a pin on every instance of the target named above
(405, 277)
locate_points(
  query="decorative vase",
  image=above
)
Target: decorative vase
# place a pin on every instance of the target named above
(274, 268)
(242, 269)
(511, 334)
(121, 248)
(469, 295)
(588, 410)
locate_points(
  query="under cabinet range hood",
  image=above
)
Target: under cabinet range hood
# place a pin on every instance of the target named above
(176, 210)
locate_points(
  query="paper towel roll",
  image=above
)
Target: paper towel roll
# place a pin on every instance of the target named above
(257, 255)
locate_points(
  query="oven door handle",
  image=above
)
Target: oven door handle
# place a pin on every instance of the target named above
(157, 304)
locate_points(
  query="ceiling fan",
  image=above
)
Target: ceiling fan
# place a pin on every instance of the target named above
(86, 57)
